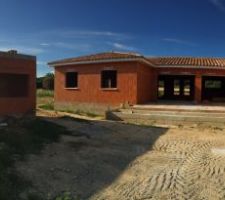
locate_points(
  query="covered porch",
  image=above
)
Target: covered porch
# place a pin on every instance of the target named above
(190, 89)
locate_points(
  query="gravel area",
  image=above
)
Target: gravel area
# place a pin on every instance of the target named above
(105, 160)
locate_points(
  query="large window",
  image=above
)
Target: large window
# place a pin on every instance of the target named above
(213, 84)
(13, 85)
(187, 87)
(71, 80)
(161, 88)
(176, 87)
(109, 79)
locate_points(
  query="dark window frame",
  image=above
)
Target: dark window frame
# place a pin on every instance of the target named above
(14, 85)
(109, 79)
(213, 84)
(71, 80)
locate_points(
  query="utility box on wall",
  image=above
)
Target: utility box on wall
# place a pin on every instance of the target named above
(17, 83)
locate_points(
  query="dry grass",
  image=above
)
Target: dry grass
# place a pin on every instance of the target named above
(45, 99)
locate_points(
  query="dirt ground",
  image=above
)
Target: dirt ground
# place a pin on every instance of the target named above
(105, 160)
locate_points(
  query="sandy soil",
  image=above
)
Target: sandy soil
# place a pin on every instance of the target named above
(113, 161)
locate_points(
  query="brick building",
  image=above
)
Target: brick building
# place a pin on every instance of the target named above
(17, 83)
(114, 78)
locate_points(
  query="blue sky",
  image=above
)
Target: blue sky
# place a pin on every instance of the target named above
(56, 29)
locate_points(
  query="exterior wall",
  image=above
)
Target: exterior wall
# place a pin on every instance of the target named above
(16, 105)
(136, 83)
(147, 84)
(193, 71)
(89, 84)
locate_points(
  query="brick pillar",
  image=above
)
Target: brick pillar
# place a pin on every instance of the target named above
(198, 89)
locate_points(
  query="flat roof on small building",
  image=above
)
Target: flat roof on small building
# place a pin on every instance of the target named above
(16, 55)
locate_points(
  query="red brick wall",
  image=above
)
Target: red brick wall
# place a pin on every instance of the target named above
(19, 105)
(137, 83)
(147, 84)
(89, 84)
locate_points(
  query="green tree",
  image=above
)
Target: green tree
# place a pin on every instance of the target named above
(48, 81)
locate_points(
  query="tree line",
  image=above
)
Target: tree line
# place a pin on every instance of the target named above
(45, 82)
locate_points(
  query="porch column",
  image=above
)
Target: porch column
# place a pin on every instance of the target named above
(198, 88)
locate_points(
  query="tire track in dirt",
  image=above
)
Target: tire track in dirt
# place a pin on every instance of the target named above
(189, 171)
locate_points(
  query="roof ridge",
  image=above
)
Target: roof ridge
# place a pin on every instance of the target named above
(126, 52)
(111, 56)
(101, 56)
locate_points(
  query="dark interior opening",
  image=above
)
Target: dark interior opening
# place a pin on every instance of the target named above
(213, 88)
(109, 79)
(14, 85)
(176, 87)
(71, 80)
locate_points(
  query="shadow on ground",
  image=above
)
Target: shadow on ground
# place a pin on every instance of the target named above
(89, 160)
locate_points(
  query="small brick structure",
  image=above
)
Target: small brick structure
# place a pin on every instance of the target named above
(114, 78)
(17, 83)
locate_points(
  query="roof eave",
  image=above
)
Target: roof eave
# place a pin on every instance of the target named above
(52, 64)
(191, 66)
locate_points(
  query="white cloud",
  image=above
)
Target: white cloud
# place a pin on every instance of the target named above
(120, 46)
(179, 41)
(44, 44)
(92, 33)
(41, 63)
(84, 34)
(219, 4)
(64, 45)
(70, 39)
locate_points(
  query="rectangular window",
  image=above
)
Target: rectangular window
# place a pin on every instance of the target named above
(176, 89)
(187, 87)
(213, 84)
(109, 79)
(14, 85)
(71, 80)
(161, 88)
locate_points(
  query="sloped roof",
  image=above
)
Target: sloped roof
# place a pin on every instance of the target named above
(153, 61)
(188, 61)
(99, 57)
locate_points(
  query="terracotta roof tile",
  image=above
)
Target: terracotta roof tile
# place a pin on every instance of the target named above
(188, 61)
(155, 61)
(99, 56)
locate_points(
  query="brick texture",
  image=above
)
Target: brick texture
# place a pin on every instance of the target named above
(146, 84)
(137, 82)
(89, 84)
(16, 105)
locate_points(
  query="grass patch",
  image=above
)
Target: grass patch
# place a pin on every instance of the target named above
(45, 99)
(47, 106)
(16, 142)
(45, 93)
(79, 112)
(66, 196)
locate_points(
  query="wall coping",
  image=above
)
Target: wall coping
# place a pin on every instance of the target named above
(14, 55)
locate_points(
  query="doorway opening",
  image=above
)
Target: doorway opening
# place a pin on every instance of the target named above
(176, 87)
(213, 88)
